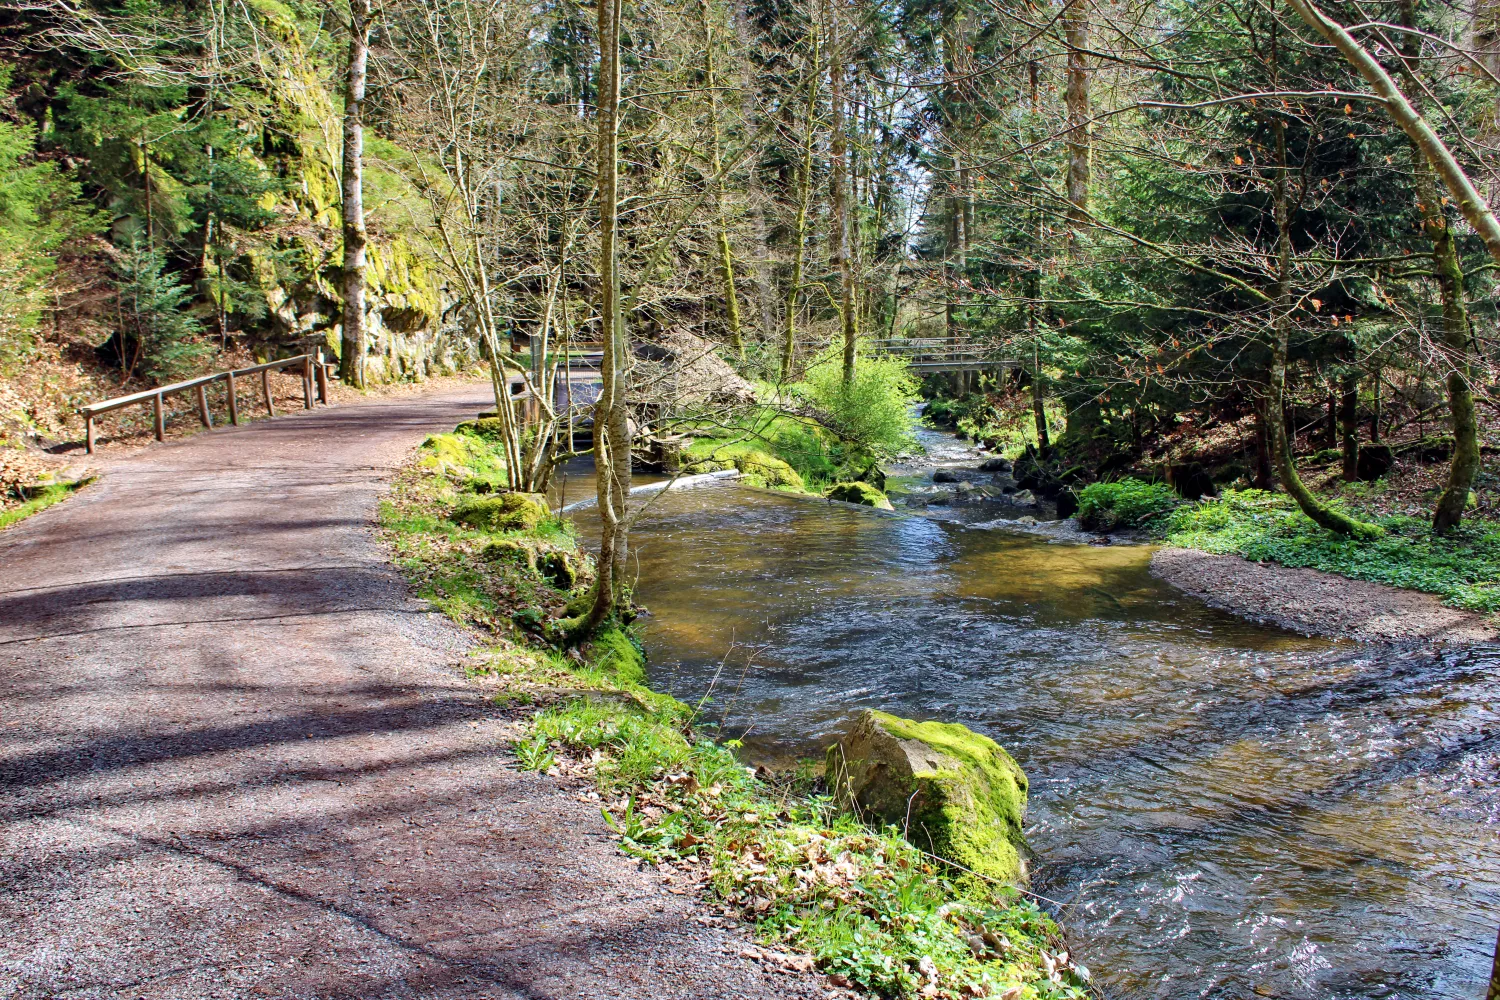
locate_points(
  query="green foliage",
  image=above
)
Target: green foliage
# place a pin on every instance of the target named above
(1127, 503)
(873, 412)
(160, 338)
(40, 212)
(1463, 567)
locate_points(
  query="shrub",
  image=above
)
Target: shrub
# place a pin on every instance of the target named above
(874, 410)
(1128, 503)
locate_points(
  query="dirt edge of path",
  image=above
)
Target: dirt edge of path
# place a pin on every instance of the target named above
(1317, 603)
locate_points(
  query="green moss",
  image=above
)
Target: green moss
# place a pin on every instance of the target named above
(772, 471)
(501, 511)
(618, 655)
(865, 494)
(485, 427)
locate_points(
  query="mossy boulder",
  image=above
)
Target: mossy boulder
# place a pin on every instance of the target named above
(954, 792)
(452, 454)
(502, 511)
(864, 494)
(757, 468)
(561, 569)
(769, 470)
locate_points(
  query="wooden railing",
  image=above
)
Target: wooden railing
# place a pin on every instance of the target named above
(312, 370)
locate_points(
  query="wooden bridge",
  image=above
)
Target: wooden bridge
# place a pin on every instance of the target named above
(942, 354)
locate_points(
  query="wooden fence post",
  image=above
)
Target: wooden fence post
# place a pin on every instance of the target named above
(307, 402)
(234, 405)
(203, 414)
(161, 420)
(88, 441)
(265, 386)
(322, 371)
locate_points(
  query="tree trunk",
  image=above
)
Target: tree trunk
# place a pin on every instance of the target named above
(1455, 326)
(1349, 424)
(804, 194)
(611, 421)
(1075, 25)
(1263, 473)
(726, 255)
(352, 344)
(1038, 410)
(1455, 343)
(1281, 449)
(841, 250)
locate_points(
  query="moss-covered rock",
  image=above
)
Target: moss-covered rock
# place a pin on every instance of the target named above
(502, 511)
(770, 470)
(864, 494)
(453, 454)
(953, 791)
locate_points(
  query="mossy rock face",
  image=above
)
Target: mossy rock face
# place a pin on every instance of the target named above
(953, 791)
(502, 511)
(863, 494)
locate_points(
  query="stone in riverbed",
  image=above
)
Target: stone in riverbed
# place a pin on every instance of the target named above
(995, 465)
(863, 494)
(944, 476)
(953, 792)
(1024, 497)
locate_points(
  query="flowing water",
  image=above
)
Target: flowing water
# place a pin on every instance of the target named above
(1219, 809)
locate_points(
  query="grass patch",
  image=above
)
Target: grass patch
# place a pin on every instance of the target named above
(1462, 568)
(861, 905)
(39, 501)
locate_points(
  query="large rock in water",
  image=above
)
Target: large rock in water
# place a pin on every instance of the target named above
(955, 793)
(864, 494)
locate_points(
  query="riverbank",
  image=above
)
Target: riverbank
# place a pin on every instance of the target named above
(1317, 603)
(862, 907)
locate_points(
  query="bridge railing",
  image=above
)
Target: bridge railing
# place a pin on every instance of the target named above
(942, 353)
(312, 369)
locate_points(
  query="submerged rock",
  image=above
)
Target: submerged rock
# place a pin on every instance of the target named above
(860, 493)
(1023, 497)
(944, 476)
(951, 790)
(995, 465)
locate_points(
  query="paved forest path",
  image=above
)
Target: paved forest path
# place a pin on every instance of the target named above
(236, 758)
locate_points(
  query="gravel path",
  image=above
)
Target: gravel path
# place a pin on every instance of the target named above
(236, 759)
(1316, 603)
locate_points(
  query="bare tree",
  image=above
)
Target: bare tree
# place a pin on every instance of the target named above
(352, 342)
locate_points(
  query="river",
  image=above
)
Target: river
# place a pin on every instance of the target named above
(1217, 809)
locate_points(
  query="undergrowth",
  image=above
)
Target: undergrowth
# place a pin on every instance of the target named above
(860, 905)
(1126, 503)
(1463, 567)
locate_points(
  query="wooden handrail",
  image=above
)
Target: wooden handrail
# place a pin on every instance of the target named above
(313, 369)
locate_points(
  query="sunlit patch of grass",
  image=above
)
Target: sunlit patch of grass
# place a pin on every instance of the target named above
(39, 501)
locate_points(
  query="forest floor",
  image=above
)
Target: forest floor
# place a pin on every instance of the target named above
(239, 758)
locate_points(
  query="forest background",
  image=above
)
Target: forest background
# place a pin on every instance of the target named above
(1193, 243)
